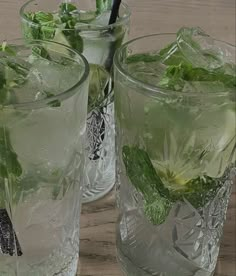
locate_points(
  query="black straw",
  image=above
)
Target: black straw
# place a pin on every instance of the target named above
(114, 11)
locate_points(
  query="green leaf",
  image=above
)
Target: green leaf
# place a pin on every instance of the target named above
(143, 58)
(3, 95)
(142, 173)
(143, 176)
(198, 191)
(98, 79)
(12, 74)
(176, 76)
(44, 28)
(173, 78)
(103, 5)
(54, 103)
(158, 199)
(67, 8)
(10, 168)
(69, 19)
(18, 68)
(157, 210)
(2, 77)
(8, 158)
(66, 15)
(7, 49)
(74, 39)
(42, 17)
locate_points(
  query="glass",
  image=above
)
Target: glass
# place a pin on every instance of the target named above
(98, 41)
(166, 139)
(42, 132)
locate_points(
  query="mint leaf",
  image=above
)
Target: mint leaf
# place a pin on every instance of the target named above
(103, 5)
(143, 58)
(157, 210)
(42, 17)
(10, 167)
(8, 158)
(12, 73)
(44, 27)
(141, 171)
(2, 77)
(74, 39)
(198, 191)
(176, 76)
(143, 176)
(98, 79)
(158, 200)
(67, 8)
(7, 49)
(18, 68)
(54, 103)
(66, 15)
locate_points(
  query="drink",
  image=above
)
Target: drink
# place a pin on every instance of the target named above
(175, 112)
(84, 27)
(42, 130)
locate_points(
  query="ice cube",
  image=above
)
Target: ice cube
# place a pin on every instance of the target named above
(102, 20)
(148, 72)
(200, 49)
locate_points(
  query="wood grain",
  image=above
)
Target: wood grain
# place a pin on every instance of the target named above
(217, 17)
(97, 247)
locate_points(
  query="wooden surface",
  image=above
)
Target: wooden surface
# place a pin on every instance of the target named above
(217, 17)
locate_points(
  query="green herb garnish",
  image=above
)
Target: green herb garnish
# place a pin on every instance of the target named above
(158, 199)
(143, 176)
(103, 5)
(10, 167)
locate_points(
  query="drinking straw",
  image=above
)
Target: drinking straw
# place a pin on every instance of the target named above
(114, 11)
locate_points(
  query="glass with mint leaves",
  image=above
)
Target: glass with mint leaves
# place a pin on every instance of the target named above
(175, 111)
(43, 112)
(84, 26)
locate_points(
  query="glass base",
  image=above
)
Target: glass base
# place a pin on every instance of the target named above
(130, 269)
(100, 162)
(62, 267)
(97, 192)
(186, 244)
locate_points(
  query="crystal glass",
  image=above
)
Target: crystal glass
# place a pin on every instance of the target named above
(86, 29)
(43, 111)
(175, 162)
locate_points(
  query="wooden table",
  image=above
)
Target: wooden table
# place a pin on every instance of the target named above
(217, 17)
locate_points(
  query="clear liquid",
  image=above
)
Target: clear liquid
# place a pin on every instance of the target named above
(48, 237)
(184, 138)
(186, 244)
(43, 203)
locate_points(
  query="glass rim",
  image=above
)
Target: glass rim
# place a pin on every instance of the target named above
(85, 26)
(65, 94)
(154, 90)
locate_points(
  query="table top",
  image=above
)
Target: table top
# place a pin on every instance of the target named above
(217, 17)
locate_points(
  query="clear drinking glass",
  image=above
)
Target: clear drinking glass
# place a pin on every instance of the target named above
(87, 30)
(43, 111)
(176, 162)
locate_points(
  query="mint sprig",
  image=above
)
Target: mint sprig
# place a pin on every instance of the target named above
(143, 176)
(12, 73)
(103, 5)
(10, 167)
(158, 199)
